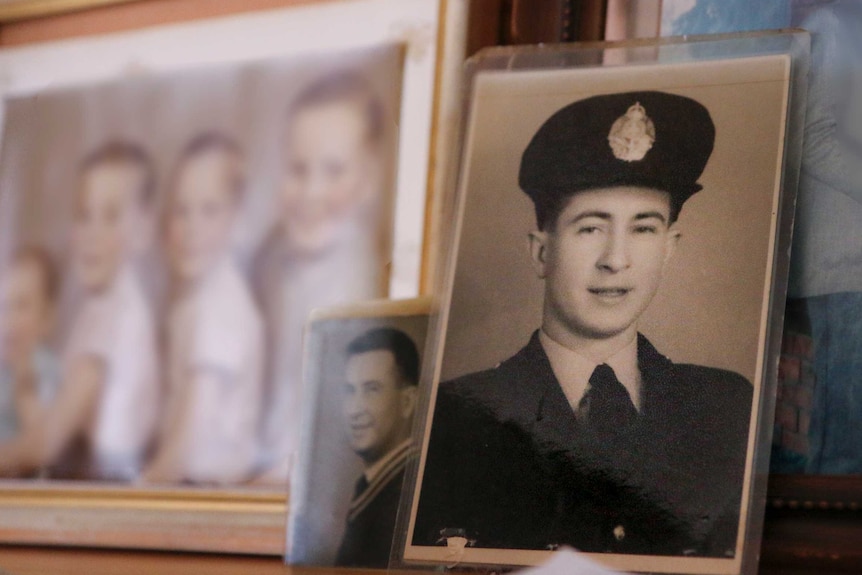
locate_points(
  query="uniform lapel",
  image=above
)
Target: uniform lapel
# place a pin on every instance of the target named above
(657, 377)
(546, 413)
(668, 462)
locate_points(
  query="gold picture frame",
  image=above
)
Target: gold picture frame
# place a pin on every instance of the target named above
(238, 519)
(18, 10)
(181, 519)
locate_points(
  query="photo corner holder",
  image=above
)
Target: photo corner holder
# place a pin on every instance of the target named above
(610, 68)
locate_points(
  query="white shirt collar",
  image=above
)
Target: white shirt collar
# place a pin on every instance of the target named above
(573, 370)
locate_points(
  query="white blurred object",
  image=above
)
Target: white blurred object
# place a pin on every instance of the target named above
(567, 561)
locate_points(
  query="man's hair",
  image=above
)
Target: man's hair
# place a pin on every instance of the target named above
(345, 86)
(126, 153)
(40, 257)
(548, 209)
(214, 141)
(394, 340)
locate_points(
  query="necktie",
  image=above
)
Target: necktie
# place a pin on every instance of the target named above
(361, 486)
(607, 404)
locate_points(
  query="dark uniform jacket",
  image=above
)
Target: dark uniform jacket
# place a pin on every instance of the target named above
(509, 465)
(371, 517)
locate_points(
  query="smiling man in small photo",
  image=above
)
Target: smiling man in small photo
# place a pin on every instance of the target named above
(588, 436)
(378, 403)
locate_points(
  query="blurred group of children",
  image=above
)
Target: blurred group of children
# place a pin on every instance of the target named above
(209, 390)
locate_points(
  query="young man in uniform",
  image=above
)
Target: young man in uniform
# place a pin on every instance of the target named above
(588, 436)
(380, 394)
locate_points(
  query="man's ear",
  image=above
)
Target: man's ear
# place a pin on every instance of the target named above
(409, 400)
(538, 241)
(673, 236)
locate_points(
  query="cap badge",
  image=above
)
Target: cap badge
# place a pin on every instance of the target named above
(632, 135)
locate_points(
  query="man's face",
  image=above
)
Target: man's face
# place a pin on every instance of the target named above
(106, 219)
(201, 215)
(26, 312)
(377, 407)
(329, 173)
(603, 261)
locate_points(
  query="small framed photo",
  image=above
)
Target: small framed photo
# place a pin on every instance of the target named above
(604, 367)
(361, 370)
(175, 201)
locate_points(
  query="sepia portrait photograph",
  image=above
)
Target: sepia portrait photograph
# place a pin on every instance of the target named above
(361, 370)
(164, 239)
(600, 357)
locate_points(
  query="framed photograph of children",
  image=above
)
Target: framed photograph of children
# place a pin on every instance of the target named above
(606, 347)
(175, 202)
(361, 369)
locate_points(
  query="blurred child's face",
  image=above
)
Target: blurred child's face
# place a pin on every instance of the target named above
(106, 221)
(201, 215)
(330, 171)
(26, 311)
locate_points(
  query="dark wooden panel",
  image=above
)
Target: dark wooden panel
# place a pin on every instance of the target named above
(813, 525)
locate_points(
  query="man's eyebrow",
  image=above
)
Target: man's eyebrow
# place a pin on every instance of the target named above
(648, 215)
(607, 216)
(591, 214)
